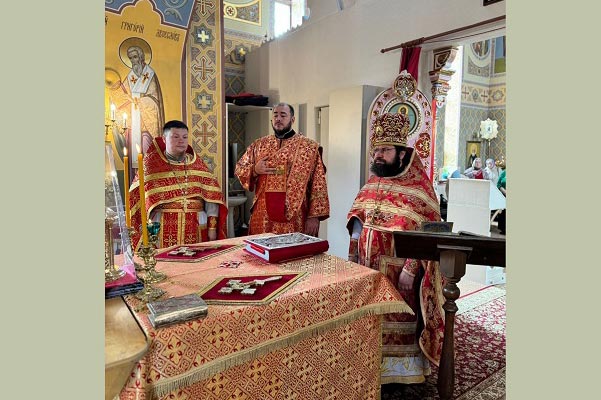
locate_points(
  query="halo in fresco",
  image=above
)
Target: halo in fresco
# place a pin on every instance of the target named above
(134, 41)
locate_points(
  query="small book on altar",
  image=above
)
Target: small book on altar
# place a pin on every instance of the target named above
(127, 284)
(177, 309)
(285, 247)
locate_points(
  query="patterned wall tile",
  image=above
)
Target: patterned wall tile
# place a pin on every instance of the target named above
(248, 13)
(483, 95)
(234, 84)
(235, 47)
(470, 125)
(205, 90)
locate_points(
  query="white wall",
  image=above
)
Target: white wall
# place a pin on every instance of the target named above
(347, 133)
(341, 49)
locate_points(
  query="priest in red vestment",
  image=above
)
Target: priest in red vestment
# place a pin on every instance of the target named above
(287, 174)
(397, 197)
(181, 193)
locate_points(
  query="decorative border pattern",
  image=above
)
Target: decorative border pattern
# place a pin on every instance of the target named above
(204, 86)
(249, 13)
(173, 12)
(266, 300)
(473, 69)
(163, 255)
(481, 95)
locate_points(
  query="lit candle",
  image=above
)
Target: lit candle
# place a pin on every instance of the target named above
(125, 120)
(126, 187)
(113, 109)
(143, 215)
(107, 103)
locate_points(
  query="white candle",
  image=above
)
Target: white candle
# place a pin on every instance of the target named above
(113, 109)
(125, 120)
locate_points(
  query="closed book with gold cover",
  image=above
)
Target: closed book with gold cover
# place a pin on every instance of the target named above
(177, 309)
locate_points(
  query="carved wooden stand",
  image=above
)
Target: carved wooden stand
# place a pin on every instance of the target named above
(453, 251)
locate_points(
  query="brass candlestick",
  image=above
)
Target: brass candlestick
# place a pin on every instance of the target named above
(111, 271)
(153, 232)
(149, 292)
(147, 253)
(131, 232)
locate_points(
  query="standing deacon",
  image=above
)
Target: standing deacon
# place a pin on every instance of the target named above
(181, 193)
(397, 197)
(287, 174)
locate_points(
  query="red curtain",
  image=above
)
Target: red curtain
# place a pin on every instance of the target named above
(410, 60)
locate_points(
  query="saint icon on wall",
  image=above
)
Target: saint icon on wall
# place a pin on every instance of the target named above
(481, 48)
(139, 95)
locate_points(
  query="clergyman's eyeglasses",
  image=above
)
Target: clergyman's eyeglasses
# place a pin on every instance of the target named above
(382, 150)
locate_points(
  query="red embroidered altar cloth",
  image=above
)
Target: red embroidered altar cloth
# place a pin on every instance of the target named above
(318, 339)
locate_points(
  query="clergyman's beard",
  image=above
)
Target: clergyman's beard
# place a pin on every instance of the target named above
(137, 68)
(281, 132)
(386, 169)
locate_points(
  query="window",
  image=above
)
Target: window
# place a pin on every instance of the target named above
(287, 14)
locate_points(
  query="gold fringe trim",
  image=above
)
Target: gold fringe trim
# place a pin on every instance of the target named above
(213, 367)
(174, 199)
(179, 173)
(401, 350)
(407, 191)
(403, 379)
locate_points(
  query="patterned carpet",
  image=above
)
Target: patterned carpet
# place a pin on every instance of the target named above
(480, 351)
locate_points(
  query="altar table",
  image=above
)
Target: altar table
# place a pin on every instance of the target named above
(320, 339)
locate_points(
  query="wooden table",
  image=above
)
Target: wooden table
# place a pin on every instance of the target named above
(453, 251)
(124, 344)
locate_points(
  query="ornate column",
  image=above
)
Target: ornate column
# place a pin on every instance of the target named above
(440, 75)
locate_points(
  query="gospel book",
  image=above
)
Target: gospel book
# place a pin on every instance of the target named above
(123, 290)
(176, 309)
(285, 247)
(127, 284)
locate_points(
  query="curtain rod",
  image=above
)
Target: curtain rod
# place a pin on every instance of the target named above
(419, 41)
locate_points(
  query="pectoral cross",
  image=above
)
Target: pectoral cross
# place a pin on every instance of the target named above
(375, 215)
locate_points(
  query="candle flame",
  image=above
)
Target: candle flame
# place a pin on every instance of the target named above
(113, 106)
(138, 147)
(125, 151)
(124, 115)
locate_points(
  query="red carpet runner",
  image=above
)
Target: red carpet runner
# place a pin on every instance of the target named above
(480, 352)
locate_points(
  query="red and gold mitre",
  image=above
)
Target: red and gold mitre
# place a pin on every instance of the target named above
(390, 129)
